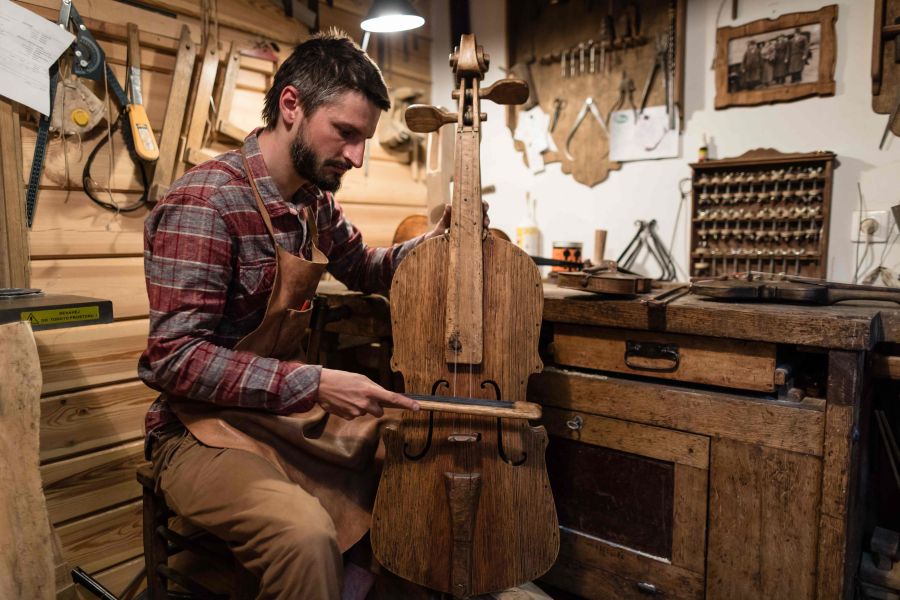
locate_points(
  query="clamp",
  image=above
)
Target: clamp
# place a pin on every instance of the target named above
(589, 105)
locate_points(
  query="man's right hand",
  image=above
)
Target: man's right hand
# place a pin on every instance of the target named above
(350, 395)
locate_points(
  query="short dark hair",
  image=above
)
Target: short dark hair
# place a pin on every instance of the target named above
(322, 68)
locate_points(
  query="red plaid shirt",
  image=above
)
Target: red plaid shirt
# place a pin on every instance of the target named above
(209, 265)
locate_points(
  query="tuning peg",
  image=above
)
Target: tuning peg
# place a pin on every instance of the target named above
(503, 91)
(423, 118)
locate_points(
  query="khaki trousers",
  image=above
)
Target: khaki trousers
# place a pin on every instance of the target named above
(275, 529)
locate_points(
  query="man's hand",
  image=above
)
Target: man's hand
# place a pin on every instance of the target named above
(444, 224)
(350, 395)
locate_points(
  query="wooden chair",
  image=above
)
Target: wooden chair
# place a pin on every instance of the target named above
(162, 541)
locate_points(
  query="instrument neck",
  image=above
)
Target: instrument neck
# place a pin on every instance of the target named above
(464, 322)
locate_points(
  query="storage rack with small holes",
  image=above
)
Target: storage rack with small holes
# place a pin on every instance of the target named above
(762, 211)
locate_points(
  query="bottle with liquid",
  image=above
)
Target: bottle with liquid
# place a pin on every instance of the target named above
(528, 236)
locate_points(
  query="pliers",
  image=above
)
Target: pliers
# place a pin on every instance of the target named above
(626, 89)
(589, 105)
(660, 64)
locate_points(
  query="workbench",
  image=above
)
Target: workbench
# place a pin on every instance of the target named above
(705, 449)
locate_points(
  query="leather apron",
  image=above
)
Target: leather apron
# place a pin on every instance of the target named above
(332, 458)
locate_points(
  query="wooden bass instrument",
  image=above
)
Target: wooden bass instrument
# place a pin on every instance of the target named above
(464, 505)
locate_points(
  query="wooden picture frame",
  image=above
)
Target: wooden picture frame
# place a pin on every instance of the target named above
(777, 60)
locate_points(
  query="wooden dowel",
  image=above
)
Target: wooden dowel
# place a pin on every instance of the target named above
(517, 410)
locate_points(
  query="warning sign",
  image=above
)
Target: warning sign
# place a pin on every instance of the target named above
(54, 316)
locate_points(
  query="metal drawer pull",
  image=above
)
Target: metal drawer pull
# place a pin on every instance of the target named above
(652, 351)
(575, 423)
(647, 588)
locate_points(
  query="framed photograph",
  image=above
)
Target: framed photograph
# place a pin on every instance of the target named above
(776, 60)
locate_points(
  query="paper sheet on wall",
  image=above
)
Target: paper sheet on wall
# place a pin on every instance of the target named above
(532, 130)
(29, 45)
(645, 138)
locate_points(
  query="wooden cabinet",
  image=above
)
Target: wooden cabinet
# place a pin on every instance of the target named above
(689, 464)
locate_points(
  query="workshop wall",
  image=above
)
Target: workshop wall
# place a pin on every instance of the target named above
(569, 211)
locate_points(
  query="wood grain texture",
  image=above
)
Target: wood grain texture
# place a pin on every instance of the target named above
(594, 569)
(118, 279)
(93, 418)
(69, 225)
(464, 313)
(26, 552)
(104, 539)
(14, 259)
(763, 522)
(840, 477)
(199, 114)
(689, 530)
(885, 96)
(655, 442)
(174, 119)
(790, 426)
(388, 183)
(711, 361)
(849, 326)
(80, 357)
(377, 222)
(91, 482)
(410, 510)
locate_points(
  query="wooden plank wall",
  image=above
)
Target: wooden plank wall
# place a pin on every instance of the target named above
(93, 405)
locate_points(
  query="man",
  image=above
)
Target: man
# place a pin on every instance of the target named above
(780, 60)
(798, 55)
(221, 347)
(751, 66)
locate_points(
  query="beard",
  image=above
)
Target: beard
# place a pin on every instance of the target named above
(312, 168)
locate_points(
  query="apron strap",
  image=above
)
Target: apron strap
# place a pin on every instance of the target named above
(308, 214)
(259, 201)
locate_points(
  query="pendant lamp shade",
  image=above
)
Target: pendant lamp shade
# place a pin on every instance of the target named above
(391, 15)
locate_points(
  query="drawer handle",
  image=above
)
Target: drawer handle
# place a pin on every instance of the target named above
(652, 351)
(647, 588)
(575, 423)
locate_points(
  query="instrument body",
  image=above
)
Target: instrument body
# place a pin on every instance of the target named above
(760, 287)
(464, 505)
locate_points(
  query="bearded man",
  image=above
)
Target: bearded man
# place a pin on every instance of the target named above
(247, 440)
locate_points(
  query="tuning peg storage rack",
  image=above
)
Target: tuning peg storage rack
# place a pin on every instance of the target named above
(762, 211)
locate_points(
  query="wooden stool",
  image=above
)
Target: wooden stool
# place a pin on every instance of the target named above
(161, 542)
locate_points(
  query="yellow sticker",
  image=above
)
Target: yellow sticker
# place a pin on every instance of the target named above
(55, 316)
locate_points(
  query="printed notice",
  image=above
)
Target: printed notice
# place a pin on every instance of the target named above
(642, 137)
(54, 316)
(29, 45)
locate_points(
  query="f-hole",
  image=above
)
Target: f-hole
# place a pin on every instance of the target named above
(418, 456)
(500, 449)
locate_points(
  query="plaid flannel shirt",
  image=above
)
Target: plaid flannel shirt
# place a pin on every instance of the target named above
(209, 265)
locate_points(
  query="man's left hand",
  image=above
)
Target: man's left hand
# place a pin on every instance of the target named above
(444, 224)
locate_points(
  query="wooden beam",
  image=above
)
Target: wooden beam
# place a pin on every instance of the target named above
(839, 544)
(175, 110)
(91, 419)
(25, 547)
(79, 357)
(14, 262)
(199, 116)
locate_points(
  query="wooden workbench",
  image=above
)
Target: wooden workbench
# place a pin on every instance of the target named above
(735, 474)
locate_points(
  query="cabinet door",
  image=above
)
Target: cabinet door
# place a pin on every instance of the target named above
(631, 500)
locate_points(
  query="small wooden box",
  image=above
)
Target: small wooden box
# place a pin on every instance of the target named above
(712, 361)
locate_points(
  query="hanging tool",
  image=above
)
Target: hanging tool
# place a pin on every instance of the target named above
(89, 62)
(626, 91)
(589, 106)
(558, 105)
(658, 65)
(646, 236)
(141, 132)
(670, 65)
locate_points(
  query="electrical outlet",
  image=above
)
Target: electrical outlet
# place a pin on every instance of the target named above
(883, 225)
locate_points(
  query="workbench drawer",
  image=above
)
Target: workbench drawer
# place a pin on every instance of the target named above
(720, 362)
(631, 500)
